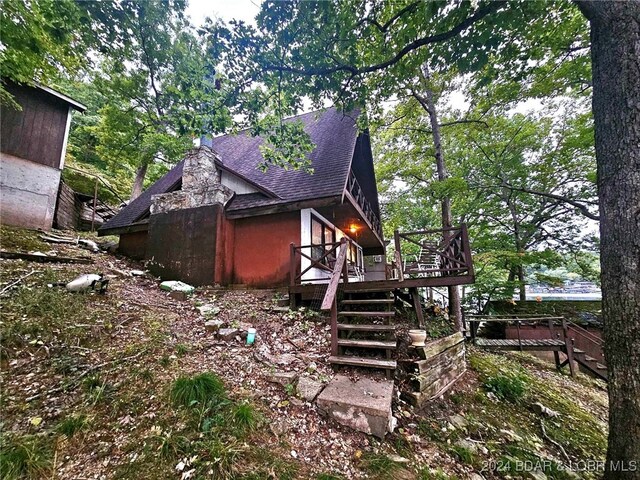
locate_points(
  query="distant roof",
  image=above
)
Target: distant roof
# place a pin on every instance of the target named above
(334, 135)
(75, 104)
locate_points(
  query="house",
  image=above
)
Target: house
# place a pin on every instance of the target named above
(33, 144)
(216, 218)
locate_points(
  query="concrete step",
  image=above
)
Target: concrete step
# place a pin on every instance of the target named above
(368, 327)
(366, 314)
(385, 344)
(364, 405)
(363, 362)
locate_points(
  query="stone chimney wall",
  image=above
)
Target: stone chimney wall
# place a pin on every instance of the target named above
(200, 185)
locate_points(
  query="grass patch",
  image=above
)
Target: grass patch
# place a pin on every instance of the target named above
(204, 389)
(72, 425)
(38, 315)
(579, 431)
(182, 349)
(23, 240)
(265, 463)
(464, 454)
(27, 456)
(380, 466)
(245, 417)
(511, 387)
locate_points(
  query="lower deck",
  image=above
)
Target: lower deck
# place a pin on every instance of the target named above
(512, 344)
(307, 291)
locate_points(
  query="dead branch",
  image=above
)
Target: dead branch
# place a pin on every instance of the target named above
(13, 284)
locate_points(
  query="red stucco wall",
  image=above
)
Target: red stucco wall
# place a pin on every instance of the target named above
(261, 249)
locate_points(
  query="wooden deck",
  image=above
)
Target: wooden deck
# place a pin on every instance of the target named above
(514, 344)
(307, 290)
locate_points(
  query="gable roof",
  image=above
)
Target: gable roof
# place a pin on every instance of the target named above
(334, 135)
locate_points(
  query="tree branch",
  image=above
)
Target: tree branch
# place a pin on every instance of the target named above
(580, 206)
(410, 47)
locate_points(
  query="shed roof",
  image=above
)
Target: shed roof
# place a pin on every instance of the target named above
(334, 135)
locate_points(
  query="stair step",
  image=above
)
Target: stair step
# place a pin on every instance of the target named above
(366, 314)
(387, 344)
(599, 366)
(589, 359)
(577, 351)
(372, 301)
(369, 327)
(363, 362)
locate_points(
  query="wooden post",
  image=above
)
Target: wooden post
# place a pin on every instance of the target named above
(95, 201)
(345, 265)
(568, 343)
(556, 354)
(334, 327)
(415, 296)
(398, 255)
(292, 264)
(466, 248)
(518, 330)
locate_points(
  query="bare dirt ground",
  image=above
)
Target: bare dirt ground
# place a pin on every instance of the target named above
(86, 379)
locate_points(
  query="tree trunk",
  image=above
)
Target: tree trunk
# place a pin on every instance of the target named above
(138, 183)
(455, 307)
(615, 57)
(523, 291)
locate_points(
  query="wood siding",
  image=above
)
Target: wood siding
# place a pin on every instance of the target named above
(37, 132)
(67, 209)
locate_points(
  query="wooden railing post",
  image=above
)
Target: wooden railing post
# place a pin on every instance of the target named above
(334, 327)
(398, 255)
(466, 249)
(332, 287)
(518, 330)
(292, 264)
(345, 266)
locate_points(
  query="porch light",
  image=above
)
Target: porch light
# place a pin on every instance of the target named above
(353, 228)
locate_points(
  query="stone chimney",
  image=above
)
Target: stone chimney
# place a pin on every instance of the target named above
(200, 185)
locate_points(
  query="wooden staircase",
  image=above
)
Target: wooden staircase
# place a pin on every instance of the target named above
(364, 334)
(591, 364)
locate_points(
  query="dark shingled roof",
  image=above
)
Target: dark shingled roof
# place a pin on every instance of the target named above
(334, 135)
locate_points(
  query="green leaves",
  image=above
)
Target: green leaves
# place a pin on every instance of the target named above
(286, 145)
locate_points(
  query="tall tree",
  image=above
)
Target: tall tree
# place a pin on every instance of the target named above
(615, 54)
(163, 90)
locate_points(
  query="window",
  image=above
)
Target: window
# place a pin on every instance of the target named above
(322, 238)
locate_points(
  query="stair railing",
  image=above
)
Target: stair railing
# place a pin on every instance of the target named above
(330, 301)
(588, 336)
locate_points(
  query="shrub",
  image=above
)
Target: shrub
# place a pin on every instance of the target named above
(511, 386)
(204, 389)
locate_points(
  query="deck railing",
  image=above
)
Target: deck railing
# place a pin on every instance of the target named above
(433, 253)
(354, 189)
